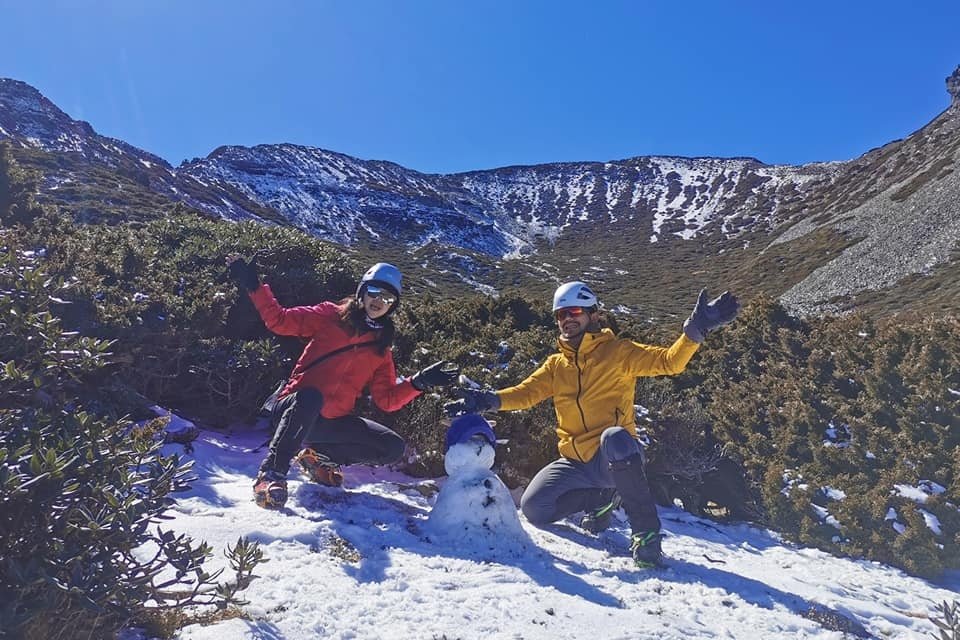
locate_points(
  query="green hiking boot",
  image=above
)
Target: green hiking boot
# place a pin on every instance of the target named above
(599, 519)
(645, 549)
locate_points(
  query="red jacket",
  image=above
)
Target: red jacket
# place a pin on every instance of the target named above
(341, 378)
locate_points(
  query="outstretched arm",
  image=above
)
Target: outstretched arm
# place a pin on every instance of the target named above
(644, 360)
(536, 388)
(302, 322)
(387, 393)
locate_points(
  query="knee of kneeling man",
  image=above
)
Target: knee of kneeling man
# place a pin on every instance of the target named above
(618, 444)
(534, 513)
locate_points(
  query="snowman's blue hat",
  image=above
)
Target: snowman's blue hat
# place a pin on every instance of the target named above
(466, 426)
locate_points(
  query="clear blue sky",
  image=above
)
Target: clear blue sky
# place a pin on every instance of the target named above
(452, 85)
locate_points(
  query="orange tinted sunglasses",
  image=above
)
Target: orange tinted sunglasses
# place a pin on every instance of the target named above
(571, 312)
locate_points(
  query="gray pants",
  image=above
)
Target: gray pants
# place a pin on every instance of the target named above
(345, 440)
(566, 486)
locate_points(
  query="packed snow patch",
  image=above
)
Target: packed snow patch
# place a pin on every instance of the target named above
(722, 580)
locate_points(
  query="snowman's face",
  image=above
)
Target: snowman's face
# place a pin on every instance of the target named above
(476, 454)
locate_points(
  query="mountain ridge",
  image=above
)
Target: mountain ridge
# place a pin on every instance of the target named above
(499, 225)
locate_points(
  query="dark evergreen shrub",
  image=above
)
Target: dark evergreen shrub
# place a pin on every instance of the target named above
(844, 405)
(17, 189)
(160, 291)
(80, 492)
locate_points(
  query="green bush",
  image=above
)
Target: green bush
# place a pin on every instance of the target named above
(17, 189)
(844, 404)
(80, 490)
(949, 624)
(184, 336)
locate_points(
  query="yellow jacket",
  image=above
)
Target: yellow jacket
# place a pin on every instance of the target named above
(593, 387)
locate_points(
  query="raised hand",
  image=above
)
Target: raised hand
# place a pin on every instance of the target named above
(707, 316)
(244, 273)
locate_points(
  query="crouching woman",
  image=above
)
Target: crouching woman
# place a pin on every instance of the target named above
(348, 349)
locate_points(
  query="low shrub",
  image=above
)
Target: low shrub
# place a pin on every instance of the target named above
(80, 491)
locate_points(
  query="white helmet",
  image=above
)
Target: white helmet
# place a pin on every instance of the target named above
(383, 273)
(574, 294)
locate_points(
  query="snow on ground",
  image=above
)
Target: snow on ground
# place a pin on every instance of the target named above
(355, 563)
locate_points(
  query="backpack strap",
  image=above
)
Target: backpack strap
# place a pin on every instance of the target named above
(330, 354)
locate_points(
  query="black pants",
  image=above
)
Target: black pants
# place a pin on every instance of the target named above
(345, 440)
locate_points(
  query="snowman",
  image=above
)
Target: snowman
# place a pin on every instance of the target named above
(474, 506)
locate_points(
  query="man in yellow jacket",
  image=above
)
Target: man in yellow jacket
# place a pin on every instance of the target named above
(592, 381)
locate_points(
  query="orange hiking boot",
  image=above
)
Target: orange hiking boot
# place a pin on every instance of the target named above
(270, 490)
(319, 468)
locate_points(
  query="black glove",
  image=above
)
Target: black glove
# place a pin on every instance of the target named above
(472, 401)
(245, 273)
(438, 374)
(707, 316)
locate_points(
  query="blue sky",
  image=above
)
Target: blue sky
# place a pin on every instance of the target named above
(446, 86)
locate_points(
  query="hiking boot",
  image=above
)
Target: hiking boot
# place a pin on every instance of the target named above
(319, 468)
(599, 519)
(645, 548)
(270, 490)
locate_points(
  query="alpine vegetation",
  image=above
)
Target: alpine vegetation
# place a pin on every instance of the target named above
(839, 432)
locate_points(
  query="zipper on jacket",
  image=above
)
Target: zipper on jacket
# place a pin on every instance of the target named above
(583, 418)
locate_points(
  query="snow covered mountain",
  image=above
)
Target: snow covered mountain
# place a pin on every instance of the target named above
(822, 236)
(343, 199)
(29, 119)
(90, 173)
(682, 196)
(501, 212)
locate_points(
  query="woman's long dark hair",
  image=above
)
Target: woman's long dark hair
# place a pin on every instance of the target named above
(353, 316)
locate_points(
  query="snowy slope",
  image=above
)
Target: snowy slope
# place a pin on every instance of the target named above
(661, 194)
(355, 563)
(340, 198)
(503, 212)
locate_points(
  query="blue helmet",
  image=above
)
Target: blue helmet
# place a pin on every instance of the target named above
(465, 427)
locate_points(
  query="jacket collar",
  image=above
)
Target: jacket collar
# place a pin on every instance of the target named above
(590, 342)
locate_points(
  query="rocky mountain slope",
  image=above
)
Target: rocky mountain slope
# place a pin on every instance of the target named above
(97, 177)
(503, 212)
(902, 204)
(823, 236)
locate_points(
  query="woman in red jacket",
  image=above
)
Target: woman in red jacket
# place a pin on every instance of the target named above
(349, 349)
